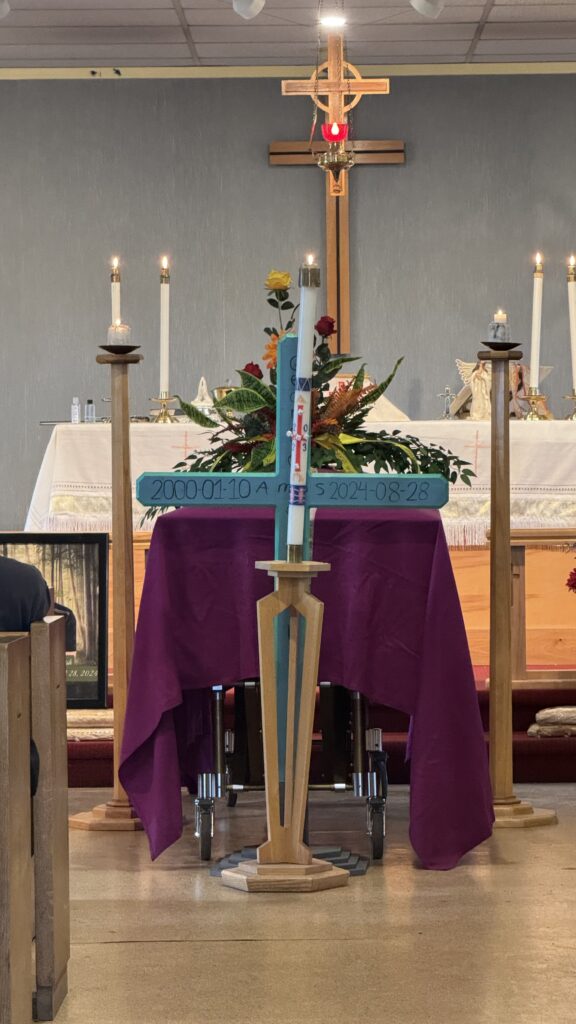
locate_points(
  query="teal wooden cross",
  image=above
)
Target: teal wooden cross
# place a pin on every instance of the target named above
(325, 490)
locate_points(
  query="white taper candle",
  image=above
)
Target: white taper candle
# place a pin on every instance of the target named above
(572, 314)
(164, 329)
(115, 290)
(536, 323)
(309, 284)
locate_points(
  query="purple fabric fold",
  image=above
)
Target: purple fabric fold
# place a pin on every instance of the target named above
(393, 630)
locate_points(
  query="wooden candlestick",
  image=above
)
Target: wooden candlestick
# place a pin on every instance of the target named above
(510, 811)
(117, 814)
(285, 863)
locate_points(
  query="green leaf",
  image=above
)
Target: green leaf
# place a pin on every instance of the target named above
(330, 443)
(358, 381)
(349, 439)
(242, 400)
(273, 302)
(255, 384)
(269, 331)
(287, 305)
(194, 414)
(270, 459)
(378, 391)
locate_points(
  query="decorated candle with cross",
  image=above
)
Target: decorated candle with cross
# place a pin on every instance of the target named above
(290, 618)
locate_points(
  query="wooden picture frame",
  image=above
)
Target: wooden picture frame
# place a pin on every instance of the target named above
(75, 567)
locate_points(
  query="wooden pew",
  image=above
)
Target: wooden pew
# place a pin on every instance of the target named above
(15, 831)
(33, 702)
(50, 816)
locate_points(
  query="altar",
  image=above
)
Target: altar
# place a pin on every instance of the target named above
(73, 491)
(393, 630)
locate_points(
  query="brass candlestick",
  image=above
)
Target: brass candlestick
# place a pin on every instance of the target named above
(164, 414)
(571, 398)
(535, 398)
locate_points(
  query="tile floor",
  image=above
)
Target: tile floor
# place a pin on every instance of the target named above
(492, 941)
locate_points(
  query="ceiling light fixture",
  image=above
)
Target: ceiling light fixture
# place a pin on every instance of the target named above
(429, 8)
(4, 8)
(333, 21)
(248, 8)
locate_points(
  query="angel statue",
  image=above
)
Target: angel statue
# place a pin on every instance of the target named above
(478, 378)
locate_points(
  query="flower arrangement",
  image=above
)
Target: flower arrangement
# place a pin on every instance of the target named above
(244, 421)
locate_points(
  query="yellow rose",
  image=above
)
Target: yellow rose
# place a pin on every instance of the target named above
(278, 280)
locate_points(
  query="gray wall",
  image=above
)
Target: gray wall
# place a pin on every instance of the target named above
(140, 168)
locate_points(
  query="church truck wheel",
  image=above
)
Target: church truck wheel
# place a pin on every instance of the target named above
(377, 829)
(205, 836)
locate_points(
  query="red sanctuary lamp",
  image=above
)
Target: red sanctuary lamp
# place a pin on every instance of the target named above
(336, 158)
(334, 132)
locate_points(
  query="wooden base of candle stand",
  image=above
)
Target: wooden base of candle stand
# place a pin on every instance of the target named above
(114, 816)
(252, 877)
(520, 814)
(289, 631)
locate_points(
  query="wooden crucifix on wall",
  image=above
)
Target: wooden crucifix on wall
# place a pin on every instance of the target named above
(343, 88)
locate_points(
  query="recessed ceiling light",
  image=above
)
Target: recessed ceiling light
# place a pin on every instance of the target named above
(333, 21)
(429, 8)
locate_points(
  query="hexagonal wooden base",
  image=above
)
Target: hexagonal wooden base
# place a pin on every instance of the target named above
(521, 814)
(250, 876)
(108, 817)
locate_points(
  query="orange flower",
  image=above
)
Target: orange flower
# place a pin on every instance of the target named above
(270, 355)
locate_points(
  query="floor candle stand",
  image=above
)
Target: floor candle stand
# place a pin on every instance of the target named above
(284, 863)
(510, 811)
(117, 814)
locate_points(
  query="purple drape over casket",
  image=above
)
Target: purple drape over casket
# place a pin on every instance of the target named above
(393, 630)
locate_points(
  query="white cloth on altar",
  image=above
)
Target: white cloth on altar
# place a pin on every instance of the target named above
(73, 491)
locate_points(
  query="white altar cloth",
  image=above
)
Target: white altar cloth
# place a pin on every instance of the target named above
(73, 490)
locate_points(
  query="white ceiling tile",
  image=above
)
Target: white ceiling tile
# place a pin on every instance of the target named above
(532, 13)
(87, 5)
(526, 30)
(534, 7)
(88, 18)
(89, 37)
(554, 49)
(91, 54)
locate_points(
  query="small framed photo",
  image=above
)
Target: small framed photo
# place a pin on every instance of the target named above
(75, 567)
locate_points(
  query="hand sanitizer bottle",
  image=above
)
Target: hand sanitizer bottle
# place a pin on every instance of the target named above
(75, 411)
(90, 411)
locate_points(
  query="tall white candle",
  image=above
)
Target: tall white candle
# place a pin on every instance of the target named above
(572, 314)
(309, 285)
(115, 290)
(164, 329)
(536, 323)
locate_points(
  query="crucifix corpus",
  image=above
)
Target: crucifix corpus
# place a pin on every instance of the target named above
(342, 86)
(290, 618)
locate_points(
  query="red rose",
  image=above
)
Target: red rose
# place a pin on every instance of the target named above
(254, 369)
(326, 326)
(571, 581)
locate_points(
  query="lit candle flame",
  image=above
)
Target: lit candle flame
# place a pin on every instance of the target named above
(572, 261)
(117, 323)
(335, 128)
(164, 263)
(310, 259)
(538, 258)
(115, 262)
